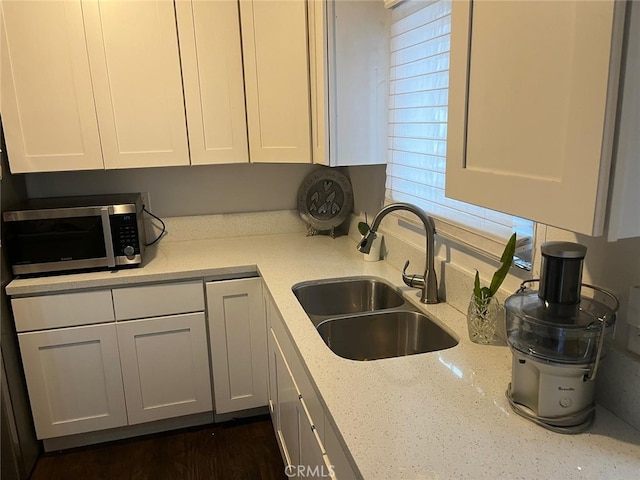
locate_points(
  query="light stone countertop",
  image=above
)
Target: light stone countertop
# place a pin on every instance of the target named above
(440, 415)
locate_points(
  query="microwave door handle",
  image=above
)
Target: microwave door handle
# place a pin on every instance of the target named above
(108, 240)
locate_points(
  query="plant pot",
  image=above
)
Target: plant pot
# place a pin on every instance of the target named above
(486, 322)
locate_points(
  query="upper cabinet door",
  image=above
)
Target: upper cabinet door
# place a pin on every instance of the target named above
(349, 60)
(532, 97)
(623, 218)
(135, 67)
(211, 58)
(47, 107)
(274, 43)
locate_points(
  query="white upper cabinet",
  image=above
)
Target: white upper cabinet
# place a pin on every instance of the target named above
(92, 85)
(532, 99)
(624, 219)
(48, 113)
(99, 84)
(211, 58)
(349, 65)
(276, 68)
(135, 68)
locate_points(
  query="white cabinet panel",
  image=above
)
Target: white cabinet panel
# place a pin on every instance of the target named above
(165, 367)
(62, 310)
(74, 381)
(238, 339)
(532, 98)
(624, 220)
(272, 387)
(274, 41)
(158, 299)
(211, 58)
(349, 62)
(49, 117)
(135, 68)
(311, 449)
(335, 455)
(289, 412)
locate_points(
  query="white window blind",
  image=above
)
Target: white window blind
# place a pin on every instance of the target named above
(420, 37)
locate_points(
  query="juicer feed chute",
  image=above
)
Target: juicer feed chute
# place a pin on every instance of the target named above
(558, 334)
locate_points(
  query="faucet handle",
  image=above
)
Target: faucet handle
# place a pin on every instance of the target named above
(412, 280)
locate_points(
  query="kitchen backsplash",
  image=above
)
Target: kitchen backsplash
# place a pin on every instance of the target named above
(202, 227)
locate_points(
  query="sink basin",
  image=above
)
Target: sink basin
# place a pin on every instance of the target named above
(384, 335)
(345, 296)
(365, 318)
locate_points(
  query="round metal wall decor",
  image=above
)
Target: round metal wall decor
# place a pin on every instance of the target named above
(325, 200)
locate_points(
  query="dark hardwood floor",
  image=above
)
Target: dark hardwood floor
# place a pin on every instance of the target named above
(235, 450)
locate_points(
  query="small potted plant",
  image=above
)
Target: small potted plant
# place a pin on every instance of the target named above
(363, 227)
(485, 315)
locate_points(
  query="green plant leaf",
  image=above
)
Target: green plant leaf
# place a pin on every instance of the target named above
(476, 285)
(363, 228)
(477, 291)
(507, 260)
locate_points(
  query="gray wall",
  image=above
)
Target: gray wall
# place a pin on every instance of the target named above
(183, 191)
(208, 190)
(15, 406)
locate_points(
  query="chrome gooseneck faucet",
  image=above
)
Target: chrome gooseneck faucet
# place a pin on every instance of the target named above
(428, 282)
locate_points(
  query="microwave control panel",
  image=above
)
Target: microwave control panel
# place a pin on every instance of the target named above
(124, 230)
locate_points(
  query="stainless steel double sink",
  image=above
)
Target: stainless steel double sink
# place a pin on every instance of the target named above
(365, 318)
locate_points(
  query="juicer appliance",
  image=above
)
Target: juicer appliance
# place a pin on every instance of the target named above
(558, 333)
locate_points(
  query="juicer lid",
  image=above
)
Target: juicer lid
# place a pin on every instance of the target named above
(563, 250)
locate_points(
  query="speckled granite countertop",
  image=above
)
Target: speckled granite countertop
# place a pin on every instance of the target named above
(440, 415)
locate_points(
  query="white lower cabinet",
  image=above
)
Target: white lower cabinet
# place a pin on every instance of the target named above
(74, 380)
(139, 368)
(301, 447)
(238, 337)
(299, 420)
(165, 367)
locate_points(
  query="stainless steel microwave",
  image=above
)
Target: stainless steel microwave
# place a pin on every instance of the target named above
(75, 233)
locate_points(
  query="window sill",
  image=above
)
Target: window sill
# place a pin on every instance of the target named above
(486, 245)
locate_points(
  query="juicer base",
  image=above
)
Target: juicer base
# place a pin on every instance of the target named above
(574, 423)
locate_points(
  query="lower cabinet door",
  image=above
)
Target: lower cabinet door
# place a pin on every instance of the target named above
(74, 381)
(289, 412)
(165, 367)
(238, 335)
(312, 459)
(273, 379)
(335, 454)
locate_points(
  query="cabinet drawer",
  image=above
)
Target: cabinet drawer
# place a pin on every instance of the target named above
(63, 310)
(157, 300)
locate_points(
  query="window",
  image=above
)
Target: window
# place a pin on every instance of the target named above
(419, 79)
